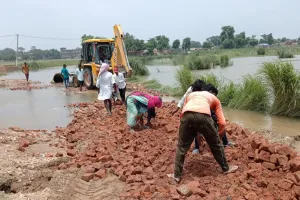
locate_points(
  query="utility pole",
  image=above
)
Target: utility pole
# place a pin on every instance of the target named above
(17, 49)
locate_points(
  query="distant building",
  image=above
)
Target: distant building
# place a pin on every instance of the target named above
(70, 53)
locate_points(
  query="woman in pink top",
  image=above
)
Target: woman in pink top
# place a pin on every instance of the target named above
(196, 118)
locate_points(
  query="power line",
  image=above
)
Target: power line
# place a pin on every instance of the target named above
(6, 35)
(46, 38)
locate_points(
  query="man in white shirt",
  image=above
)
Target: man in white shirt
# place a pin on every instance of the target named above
(79, 75)
(120, 83)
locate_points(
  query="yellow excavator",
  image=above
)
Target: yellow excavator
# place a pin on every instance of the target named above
(96, 51)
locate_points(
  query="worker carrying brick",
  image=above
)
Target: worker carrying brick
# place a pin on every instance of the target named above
(196, 118)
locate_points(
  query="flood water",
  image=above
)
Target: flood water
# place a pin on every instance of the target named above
(241, 67)
(44, 108)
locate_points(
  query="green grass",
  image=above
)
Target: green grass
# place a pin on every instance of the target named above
(184, 78)
(261, 51)
(138, 66)
(37, 64)
(250, 95)
(154, 85)
(283, 82)
(285, 53)
(224, 61)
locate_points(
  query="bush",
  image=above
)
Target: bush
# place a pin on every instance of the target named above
(194, 62)
(34, 65)
(284, 83)
(284, 53)
(184, 78)
(224, 61)
(250, 95)
(261, 51)
(138, 66)
(226, 93)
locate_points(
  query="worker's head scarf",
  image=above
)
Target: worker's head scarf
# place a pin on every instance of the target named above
(104, 67)
(157, 101)
(153, 101)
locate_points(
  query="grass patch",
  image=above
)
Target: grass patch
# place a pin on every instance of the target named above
(284, 83)
(41, 64)
(224, 61)
(138, 66)
(285, 53)
(250, 95)
(185, 78)
(261, 51)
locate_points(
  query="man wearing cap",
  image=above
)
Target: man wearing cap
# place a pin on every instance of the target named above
(120, 83)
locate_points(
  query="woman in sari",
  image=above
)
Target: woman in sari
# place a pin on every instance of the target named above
(138, 103)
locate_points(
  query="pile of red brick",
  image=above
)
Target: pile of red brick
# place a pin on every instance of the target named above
(142, 159)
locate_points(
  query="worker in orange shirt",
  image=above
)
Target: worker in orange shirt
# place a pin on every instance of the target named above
(196, 118)
(25, 70)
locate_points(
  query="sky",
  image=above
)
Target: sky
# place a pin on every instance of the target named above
(176, 19)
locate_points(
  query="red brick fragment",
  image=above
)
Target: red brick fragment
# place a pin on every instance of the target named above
(101, 173)
(87, 177)
(71, 152)
(269, 165)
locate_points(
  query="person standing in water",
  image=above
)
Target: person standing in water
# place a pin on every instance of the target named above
(79, 74)
(65, 74)
(105, 85)
(25, 70)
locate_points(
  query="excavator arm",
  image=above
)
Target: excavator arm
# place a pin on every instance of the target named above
(120, 58)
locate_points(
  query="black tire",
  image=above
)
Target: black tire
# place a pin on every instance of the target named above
(88, 78)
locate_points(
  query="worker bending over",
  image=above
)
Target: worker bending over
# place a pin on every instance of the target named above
(196, 118)
(199, 85)
(138, 103)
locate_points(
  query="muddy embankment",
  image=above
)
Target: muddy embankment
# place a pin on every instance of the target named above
(4, 69)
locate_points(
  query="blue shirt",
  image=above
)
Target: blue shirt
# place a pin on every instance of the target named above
(65, 72)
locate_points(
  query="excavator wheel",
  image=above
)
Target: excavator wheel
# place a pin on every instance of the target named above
(88, 78)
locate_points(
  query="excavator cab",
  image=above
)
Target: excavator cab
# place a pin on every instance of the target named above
(96, 51)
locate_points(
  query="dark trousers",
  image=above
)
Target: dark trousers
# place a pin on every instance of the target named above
(190, 124)
(224, 140)
(122, 93)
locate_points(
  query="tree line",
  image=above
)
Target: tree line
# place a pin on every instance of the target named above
(227, 39)
(9, 54)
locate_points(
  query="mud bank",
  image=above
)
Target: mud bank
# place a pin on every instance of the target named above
(16, 84)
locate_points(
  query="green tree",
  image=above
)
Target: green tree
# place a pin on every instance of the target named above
(240, 40)
(207, 45)
(186, 43)
(228, 44)
(298, 41)
(216, 40)
(162, 42)
(283, 39)
(195, 44)
(151, 45)
(132, 43)
(227, 37)
(270, 39)
(253, 42)
(176, 44)
(7, 54)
